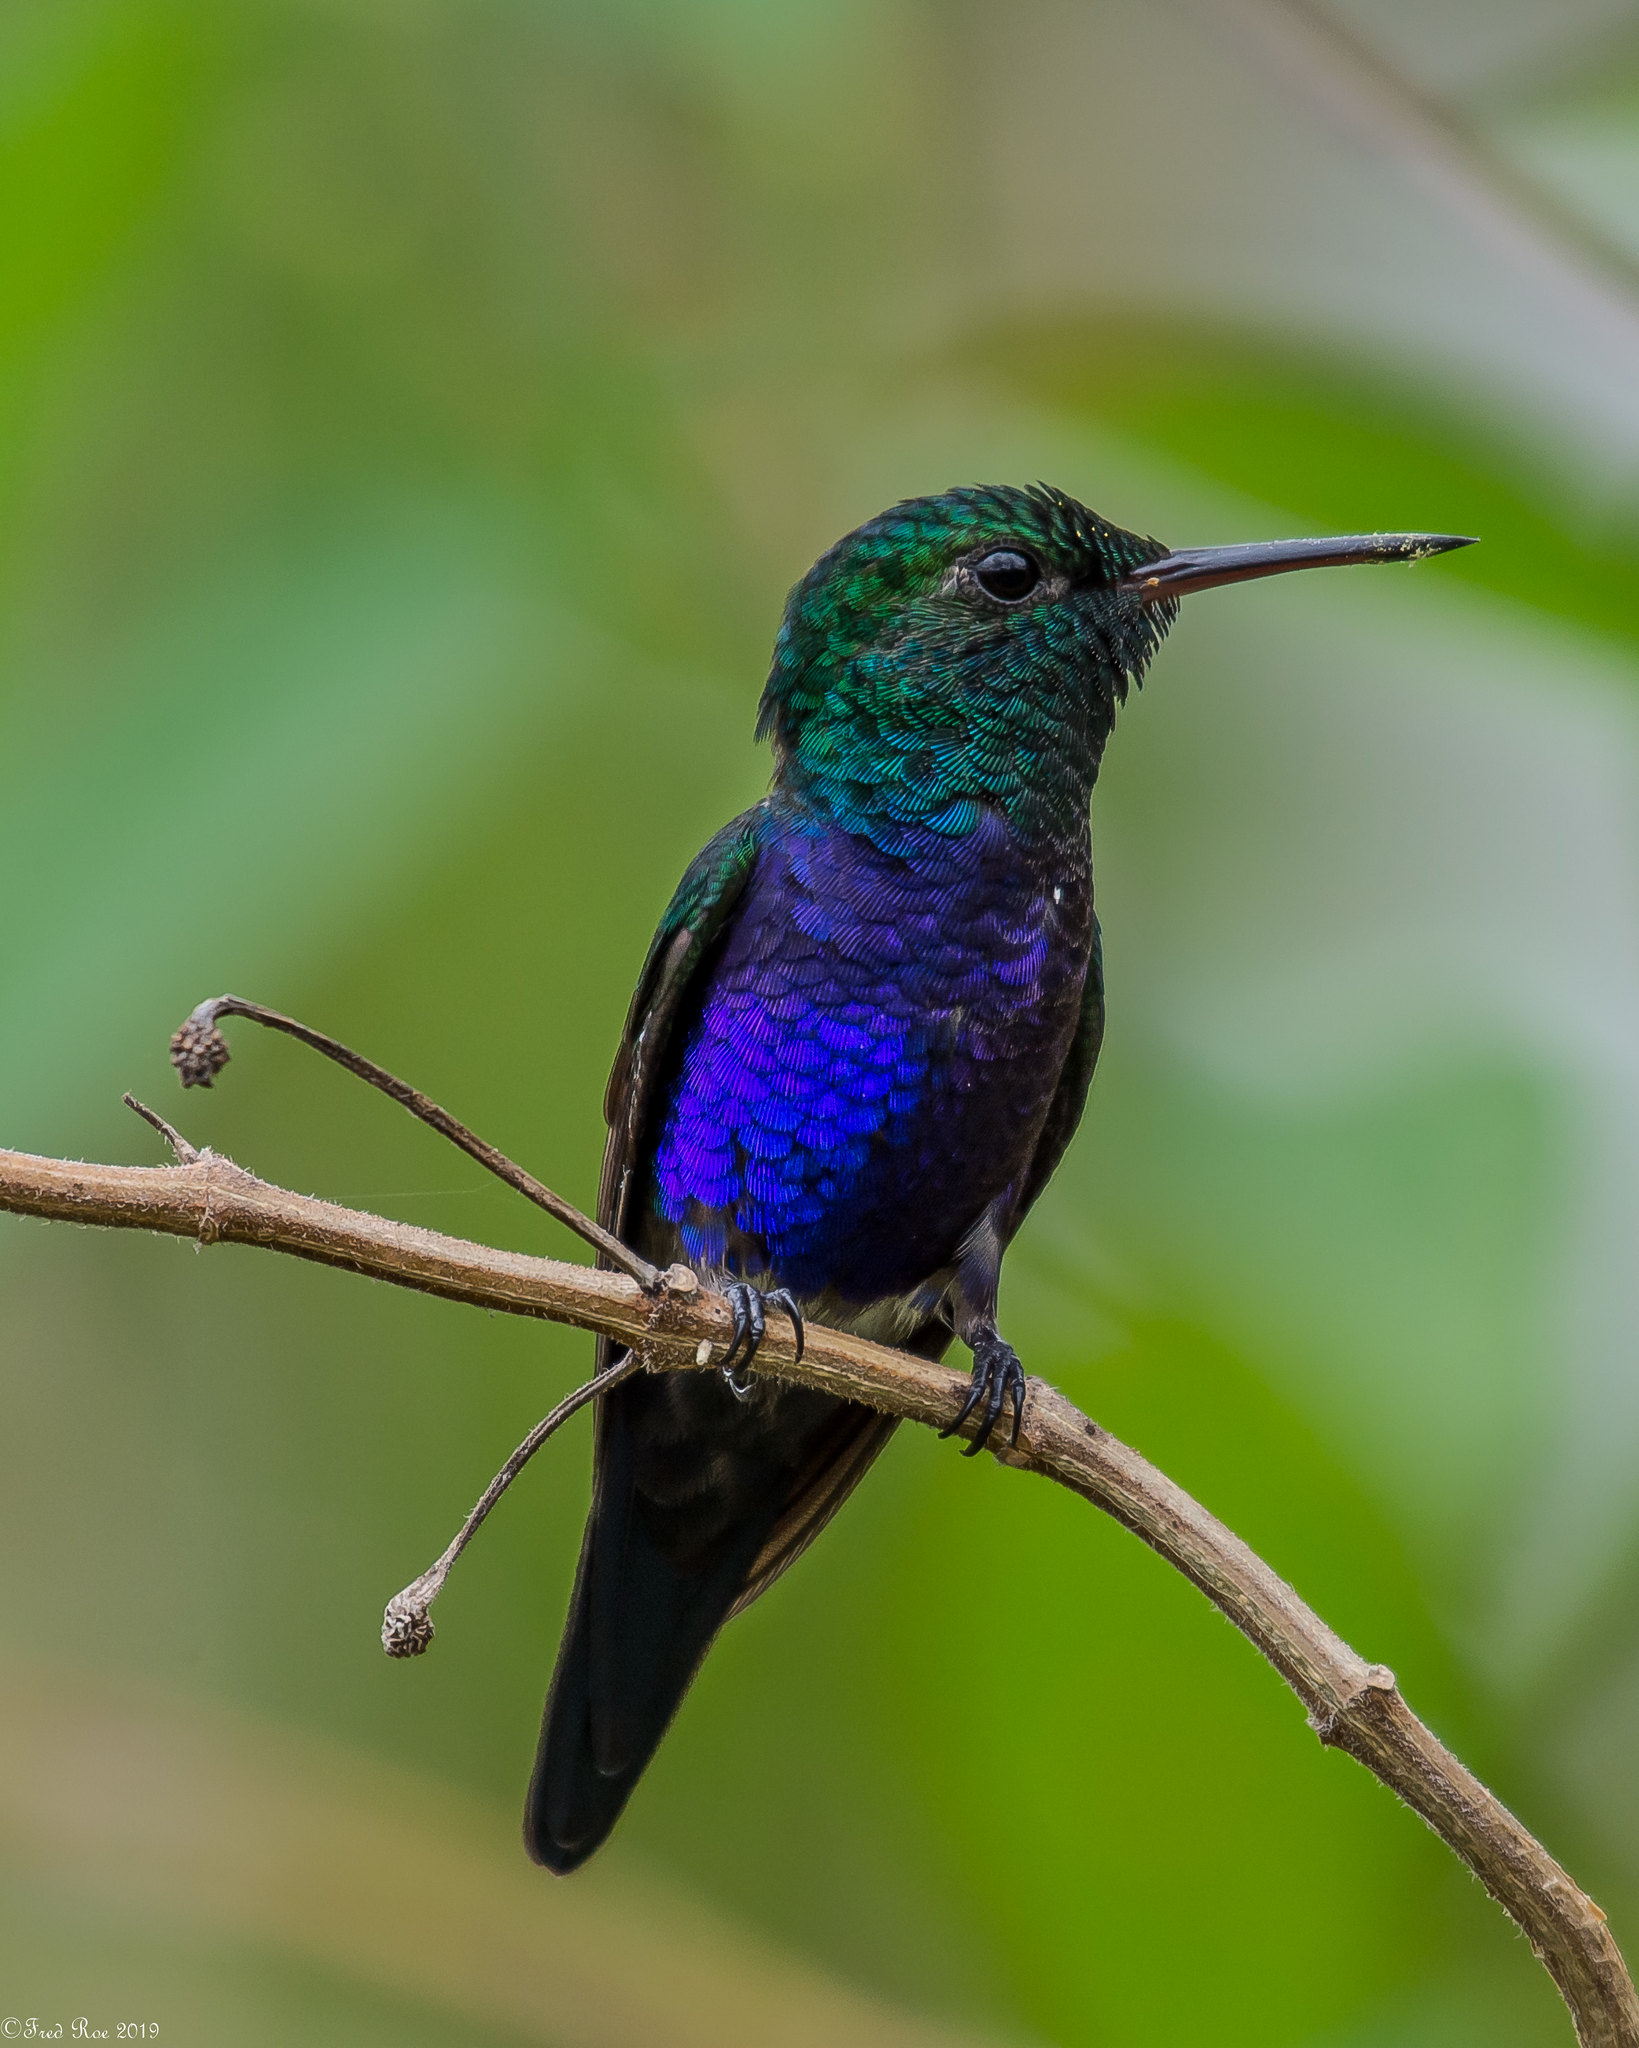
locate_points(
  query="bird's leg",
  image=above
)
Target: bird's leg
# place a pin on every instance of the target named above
(998, 1377)
(749, 1305)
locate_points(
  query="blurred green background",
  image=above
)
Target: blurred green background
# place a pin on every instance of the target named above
(411, 417)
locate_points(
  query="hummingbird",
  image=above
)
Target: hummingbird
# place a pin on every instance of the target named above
(859, 1046)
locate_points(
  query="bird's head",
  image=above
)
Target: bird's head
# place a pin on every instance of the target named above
(966, 653)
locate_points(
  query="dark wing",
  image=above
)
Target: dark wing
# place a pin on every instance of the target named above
(838, 1456)
(699, 1501)
(1070, 1097)
(695, 919)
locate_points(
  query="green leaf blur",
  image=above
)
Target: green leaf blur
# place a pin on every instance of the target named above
(411, 417)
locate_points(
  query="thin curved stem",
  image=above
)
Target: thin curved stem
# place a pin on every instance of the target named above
(406, 1627)
(199, 1052)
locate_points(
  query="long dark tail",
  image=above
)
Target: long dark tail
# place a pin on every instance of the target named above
(699, 1502)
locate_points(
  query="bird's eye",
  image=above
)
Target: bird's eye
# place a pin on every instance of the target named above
(1007, 574)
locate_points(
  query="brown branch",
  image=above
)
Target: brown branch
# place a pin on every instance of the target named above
(1352, 1705)
(199, 1052)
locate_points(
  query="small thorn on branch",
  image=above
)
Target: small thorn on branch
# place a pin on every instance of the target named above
(186, 1154)
(406, 1626)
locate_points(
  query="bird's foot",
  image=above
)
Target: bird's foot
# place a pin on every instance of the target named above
(997, 1378)
(750, 1305)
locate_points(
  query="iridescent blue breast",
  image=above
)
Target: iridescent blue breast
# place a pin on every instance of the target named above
(874, 1051)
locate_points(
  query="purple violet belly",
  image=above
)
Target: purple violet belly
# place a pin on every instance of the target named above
(878, 1044)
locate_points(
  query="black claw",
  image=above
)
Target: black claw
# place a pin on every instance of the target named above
(994, 1386)
(967, 1407)
(782, 1298)
(998, 1378)
(749, 1327)
(742, 1330)
(750, 1305)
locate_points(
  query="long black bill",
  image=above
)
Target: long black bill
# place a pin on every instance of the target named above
(1204, 568)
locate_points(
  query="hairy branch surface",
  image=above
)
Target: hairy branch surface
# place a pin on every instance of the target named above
(1352, 1705)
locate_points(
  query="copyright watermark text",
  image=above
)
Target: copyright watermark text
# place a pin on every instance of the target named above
(15, 2029)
